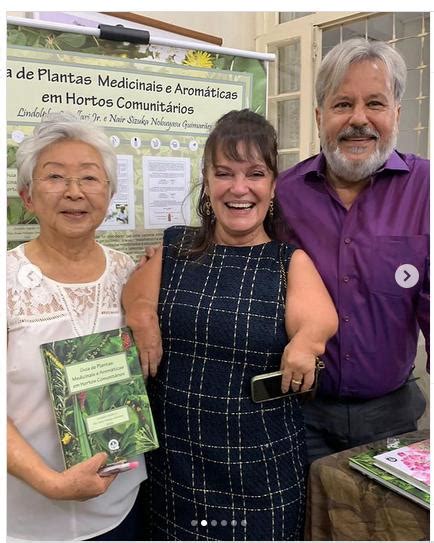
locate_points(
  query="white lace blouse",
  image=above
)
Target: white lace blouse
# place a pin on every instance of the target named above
(41, 310)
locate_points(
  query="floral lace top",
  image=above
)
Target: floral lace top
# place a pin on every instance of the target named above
(40, 310)
(33, 298)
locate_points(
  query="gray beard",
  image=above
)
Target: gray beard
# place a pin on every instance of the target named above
(354, 171)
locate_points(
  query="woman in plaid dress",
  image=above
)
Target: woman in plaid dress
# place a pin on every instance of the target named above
(228, 468)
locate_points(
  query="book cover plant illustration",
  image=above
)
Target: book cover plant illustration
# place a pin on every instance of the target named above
(411, 463)
(99, 396)
(364, 462)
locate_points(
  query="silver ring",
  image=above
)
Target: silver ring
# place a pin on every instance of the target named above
(296, 382)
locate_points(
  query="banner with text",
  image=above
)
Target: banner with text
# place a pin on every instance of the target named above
(157, 105)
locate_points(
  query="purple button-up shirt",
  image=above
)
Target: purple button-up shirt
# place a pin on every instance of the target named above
(373, 259)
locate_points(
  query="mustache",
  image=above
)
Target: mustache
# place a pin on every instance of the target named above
(358, 132)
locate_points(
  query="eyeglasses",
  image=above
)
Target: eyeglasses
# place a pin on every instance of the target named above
(54, 182)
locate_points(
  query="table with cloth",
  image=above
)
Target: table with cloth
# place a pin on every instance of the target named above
(345, 505)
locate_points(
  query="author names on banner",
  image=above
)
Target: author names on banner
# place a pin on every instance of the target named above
(157, 113)
(147, 96)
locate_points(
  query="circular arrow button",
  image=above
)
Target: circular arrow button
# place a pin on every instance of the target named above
(29, 276)
(406, 275)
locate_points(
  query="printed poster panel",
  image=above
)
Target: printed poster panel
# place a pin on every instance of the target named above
(166, 182)
(156, 104)
(120, 215)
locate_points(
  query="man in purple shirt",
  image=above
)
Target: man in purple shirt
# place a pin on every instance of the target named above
(360, 210)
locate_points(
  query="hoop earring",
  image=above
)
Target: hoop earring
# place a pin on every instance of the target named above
(208, 209)
(271, 209)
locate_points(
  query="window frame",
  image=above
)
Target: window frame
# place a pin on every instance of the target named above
(309, 30)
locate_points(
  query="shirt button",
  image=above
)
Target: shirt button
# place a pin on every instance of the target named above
(347, 240)
(346, 278)
(346, 318)
(347, 356)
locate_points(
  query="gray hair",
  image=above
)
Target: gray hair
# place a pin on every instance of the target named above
(57, 127)
(337, 61)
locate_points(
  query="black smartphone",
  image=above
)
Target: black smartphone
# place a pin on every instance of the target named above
(267, 386)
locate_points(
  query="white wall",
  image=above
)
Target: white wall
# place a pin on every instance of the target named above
(237, 28)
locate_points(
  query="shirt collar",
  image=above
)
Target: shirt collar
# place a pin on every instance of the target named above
(395, 162)
(316, 167)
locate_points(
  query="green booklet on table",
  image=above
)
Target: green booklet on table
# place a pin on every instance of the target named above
(364, 462)
(99, 396)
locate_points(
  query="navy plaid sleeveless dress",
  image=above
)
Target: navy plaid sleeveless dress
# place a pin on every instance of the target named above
(227, 468)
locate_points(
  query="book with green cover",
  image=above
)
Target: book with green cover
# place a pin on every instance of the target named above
(364, 462)
(99, 396)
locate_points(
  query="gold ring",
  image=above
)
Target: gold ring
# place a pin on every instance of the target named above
(296, 382)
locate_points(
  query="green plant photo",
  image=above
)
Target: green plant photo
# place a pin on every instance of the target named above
(99, 397)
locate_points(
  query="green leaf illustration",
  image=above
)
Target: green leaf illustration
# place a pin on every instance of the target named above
(17, 214)
(17, 37)
(67, 40)
(131, 424)
(256, 68)
(80, 428)
(12, 151)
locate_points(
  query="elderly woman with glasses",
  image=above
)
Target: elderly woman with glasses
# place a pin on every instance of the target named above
(62, 284)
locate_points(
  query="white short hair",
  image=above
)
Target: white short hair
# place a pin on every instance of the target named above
(57, 127)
